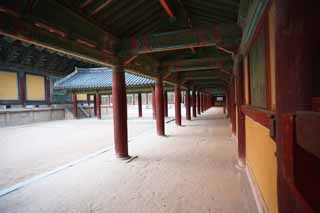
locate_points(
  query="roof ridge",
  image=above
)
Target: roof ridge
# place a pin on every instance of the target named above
(66, 78)
(95, 69)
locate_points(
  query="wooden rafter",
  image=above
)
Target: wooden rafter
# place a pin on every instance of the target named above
(100, 7)
(166, 8)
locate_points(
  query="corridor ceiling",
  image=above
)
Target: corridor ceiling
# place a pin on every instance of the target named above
(189, 41)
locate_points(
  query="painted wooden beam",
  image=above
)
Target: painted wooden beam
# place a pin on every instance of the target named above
(192, 62)
(201, 78)
(195, 68)
(183, 39)
(86, 3)
(100, 7)
(166, 8)
(50, 36)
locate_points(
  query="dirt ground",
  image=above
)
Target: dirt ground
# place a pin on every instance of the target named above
(192, 169)
(32, 149)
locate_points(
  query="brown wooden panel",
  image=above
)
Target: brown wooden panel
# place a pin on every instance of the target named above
(308, 132)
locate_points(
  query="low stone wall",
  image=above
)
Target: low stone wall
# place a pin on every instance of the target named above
(13, 117)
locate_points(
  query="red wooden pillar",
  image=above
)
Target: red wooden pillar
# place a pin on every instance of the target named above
(204, 102)
(201, 103)
(177, 104)
(22, 89)
(153, 103)
(297, 50)
(207, 101)
(159, 106)
(240, 115)
(194, 102)
(98, 105)
(47, 89)
(233, 108)
(165, 102)
(95, 105)
(75, 106)
(188, 113)
(139, 105)
(198, 102)
(119, 101)
(88, 102)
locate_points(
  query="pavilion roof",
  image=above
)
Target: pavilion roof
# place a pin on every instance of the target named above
(98, 79)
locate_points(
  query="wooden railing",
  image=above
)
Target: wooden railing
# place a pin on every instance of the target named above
(301, 156)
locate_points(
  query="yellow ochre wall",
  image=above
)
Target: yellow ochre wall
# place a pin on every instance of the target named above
(260, 147)
(261, 160)
(8, 86)
(82, 97)
(35, 87)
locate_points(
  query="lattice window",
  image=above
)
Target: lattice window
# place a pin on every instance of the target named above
(257, 70)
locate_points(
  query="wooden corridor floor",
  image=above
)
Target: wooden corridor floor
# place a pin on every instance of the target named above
(192, 169)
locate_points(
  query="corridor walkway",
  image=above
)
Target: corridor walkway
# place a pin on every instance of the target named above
(192, 169)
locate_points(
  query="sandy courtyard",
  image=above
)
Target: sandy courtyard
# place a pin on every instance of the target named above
(29, 150)
(192, 169)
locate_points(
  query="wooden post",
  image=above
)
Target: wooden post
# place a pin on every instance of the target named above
(205, 102)
(198, 102)
(47, 89)
(153, 103)
(88, 102)
(241, 116)
(75, 105)
(22, 89)
(194, 102)
(177, 103)
(98, 105)
(165, 102)
(95, 104)
(119, 101)
(139, 105)
(188, 113)
(296, 63)
(233, 108)
(201, 102)
(159, 106)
